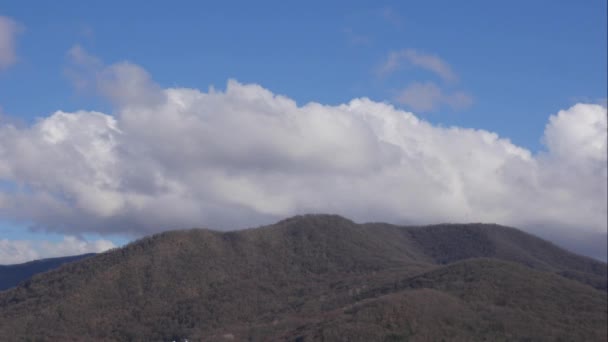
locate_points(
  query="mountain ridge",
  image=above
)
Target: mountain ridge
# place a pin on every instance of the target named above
(13, 274)
(283, 281)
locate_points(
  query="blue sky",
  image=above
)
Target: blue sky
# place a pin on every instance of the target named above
(521, 61)
(507, 66)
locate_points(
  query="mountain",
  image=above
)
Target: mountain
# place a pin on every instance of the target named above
(11, 275)
(318, 278)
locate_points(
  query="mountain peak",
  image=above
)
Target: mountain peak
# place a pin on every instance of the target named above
(311, 276)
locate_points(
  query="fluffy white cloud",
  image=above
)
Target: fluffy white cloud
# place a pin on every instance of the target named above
(578, 133)
(19, 251)
(178, 158)
(8, 31)
(428, 96)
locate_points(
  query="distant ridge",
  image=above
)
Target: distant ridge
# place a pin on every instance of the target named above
(318, 277)
(452, 242)
(11, 275)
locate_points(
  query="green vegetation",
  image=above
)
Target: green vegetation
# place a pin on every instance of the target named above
(318, 278)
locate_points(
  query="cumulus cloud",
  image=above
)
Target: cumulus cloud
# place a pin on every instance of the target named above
(178, 158)
(122, 83)
(413, 57)
(19, 251)
(8, 32)
(428, 96)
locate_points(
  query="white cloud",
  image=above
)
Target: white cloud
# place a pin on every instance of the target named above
(19, 251)
(8, 32)
(579, 132)
(178, 158)
(425, 96)
(428, 96)
(122, 83)
(418, 59)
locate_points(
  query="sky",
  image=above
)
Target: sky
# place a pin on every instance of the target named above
(123, 119)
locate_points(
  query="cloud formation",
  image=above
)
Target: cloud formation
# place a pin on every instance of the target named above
(19, 251)
(425, 96)
(415, 58)
(8, 32)
(179, 158)
(428, 96)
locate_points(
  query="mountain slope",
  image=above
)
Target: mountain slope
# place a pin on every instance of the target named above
(475, 299)
(11, 275)
(452, 242)
(281, 282)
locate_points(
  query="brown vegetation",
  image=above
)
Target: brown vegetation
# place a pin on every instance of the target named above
(318, 277)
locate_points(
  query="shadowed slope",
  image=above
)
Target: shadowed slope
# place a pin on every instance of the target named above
(452, 242)
(11, 275)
